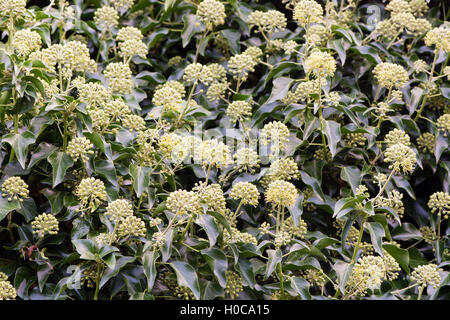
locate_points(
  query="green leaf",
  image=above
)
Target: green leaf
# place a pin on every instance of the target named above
(187, 277)
(60, 162)
(280, 89)
(246, 270)
(332, 130)
(217, 261)
(149, 263)
(352, 175)
(367, 52)
(20, 142)
(209, 225)
(272, 262)
(86, 248)
(376, 231)
(192, 26)
(301, 287)
(221, 219)
(400, 255)
(7, 206)
(141, 178)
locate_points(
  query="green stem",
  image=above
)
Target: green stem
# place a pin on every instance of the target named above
(187, 227)
(10, 226)
(280, 271)
(428, 85)
(16, 131)
(420, 292)
(358, 244)
(97, 280)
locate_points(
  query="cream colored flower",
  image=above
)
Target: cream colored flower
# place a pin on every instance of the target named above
(281, 193)
(390, 75)
(79, 147)
(26, 41)
(307, 12)
(246, 192)
(211, 13)
(15, 189)
(321, 64)
(427, 274)
(45, 224)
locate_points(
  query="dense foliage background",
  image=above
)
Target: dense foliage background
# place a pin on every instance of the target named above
(230, 149)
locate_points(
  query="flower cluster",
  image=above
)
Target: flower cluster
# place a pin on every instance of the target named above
(79, 148)
(427, 274)
(15, 189)
(440, 202)
(45, 224)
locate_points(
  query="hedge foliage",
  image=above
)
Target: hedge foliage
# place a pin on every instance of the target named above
(186, 149)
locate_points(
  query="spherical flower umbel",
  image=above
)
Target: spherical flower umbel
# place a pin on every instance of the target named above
(183, 202)
(122, 4)
(275, 132)
(390, 75)
(440, 37)
(284, 169)
(322, 64)
(119, 76)
(307, 12)
(281, 193)
(427, 274)
(26, 41)
(79, 147)
(14, 7)
(45, 223)
(239, 110)
(215, 153)
(233, 284)
(7, 290)
(246, 192)
(247, 158)
(397, 136)
(106, 18)
(426, 142)
(211, 13)
(133, 122)
(91, 191)
(402, 158)
(169, 96)
(15, 189)
(118, 209)
(193, 72)
(269, 21)
(443, 123)
(129, 33)
(131, 48)
(131, 226)
(440, 202)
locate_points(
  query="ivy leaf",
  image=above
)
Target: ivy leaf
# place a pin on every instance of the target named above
(141, 178)
(376, 231)
(352, 175)
(149, 263)
(210, 227)
(20, 142)
(60, 162)
(187, 277)
(400, 255)
(7, 206)
(192, 26)
(86, 248)
(217, 261)
(272, 262)
(301, 287)
(280, 89)
(332, 130)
